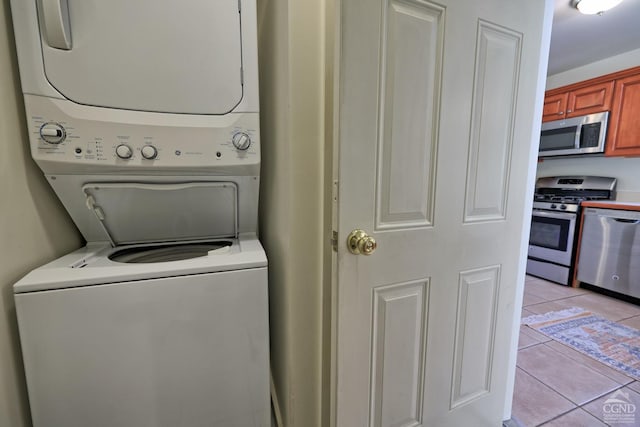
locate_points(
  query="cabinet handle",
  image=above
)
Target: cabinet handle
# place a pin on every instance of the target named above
(561, 113)
(568, 111)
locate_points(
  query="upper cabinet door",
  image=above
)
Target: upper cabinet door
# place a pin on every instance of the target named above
(567, 102)
(591, 99)
(554, 107)
(148, 55)
(623, 138)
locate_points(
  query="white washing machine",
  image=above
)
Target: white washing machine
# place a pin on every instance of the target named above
(166, 343)
(143, 116)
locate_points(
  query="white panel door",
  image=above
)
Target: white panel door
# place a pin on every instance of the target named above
(438, 118)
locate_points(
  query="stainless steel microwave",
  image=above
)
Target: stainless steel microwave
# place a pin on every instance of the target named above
(577, 135)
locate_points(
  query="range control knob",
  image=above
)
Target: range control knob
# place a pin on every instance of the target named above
(241, 141)
(149, 152)
(53, 133)
(124, 151)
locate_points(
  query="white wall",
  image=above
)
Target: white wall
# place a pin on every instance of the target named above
(627, 170)
(595, 69)
(292, 227)
(33, 225)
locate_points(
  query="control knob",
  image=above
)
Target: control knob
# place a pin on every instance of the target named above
(149, 152)
(53, 133)
(241, 141)
(124, 151)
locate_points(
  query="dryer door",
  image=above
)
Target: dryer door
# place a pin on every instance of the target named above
(149, 55)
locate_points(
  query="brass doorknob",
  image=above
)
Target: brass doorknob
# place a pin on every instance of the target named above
(359, 242)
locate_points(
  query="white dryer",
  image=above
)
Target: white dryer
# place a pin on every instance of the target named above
(143, 116)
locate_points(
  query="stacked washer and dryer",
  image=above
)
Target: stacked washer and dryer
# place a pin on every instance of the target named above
(143, 116)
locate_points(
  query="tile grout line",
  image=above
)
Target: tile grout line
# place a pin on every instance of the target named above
(627, 318)
(582, 406)
(552, 300)
(555, 418)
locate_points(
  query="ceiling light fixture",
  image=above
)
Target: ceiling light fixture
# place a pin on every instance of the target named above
(595, 7)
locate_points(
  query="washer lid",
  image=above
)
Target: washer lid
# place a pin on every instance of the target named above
(148, 55)
(139, 213)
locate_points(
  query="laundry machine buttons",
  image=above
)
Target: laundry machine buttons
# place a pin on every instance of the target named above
(124, 151)
(241, 141)
(53, 133)
(149, 152)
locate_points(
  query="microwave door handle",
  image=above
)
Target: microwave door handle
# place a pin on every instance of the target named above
(57, 28)
(577, 141)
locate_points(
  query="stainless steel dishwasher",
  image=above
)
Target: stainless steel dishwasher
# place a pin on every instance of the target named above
(610, 250)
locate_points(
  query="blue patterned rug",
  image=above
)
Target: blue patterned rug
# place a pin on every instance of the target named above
(608, 342)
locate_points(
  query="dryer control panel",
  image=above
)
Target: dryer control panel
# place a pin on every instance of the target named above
(61, 134)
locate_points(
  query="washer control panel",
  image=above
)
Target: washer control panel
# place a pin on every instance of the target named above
(160, 140)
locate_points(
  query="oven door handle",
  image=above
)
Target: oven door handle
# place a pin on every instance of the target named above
(553, 214)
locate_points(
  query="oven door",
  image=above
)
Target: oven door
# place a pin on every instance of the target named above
(552, 235)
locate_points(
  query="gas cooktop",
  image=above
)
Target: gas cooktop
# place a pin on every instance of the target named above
(565, 193)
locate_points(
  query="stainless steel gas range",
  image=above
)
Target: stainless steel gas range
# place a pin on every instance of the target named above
(555, 222)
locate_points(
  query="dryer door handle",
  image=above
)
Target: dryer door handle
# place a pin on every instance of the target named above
(57, 27)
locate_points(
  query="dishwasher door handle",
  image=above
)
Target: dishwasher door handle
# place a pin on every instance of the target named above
(625, 220)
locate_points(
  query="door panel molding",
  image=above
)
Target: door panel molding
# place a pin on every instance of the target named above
(475, 332)
(496, 76)
(398, 353)
(410, 84)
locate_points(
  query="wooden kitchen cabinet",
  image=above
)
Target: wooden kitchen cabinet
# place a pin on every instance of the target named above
(554, 107)
(577, 100)
(591, 99)
(618, 93)
(623, 138)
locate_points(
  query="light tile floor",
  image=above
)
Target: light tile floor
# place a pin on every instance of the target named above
(557, 386)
